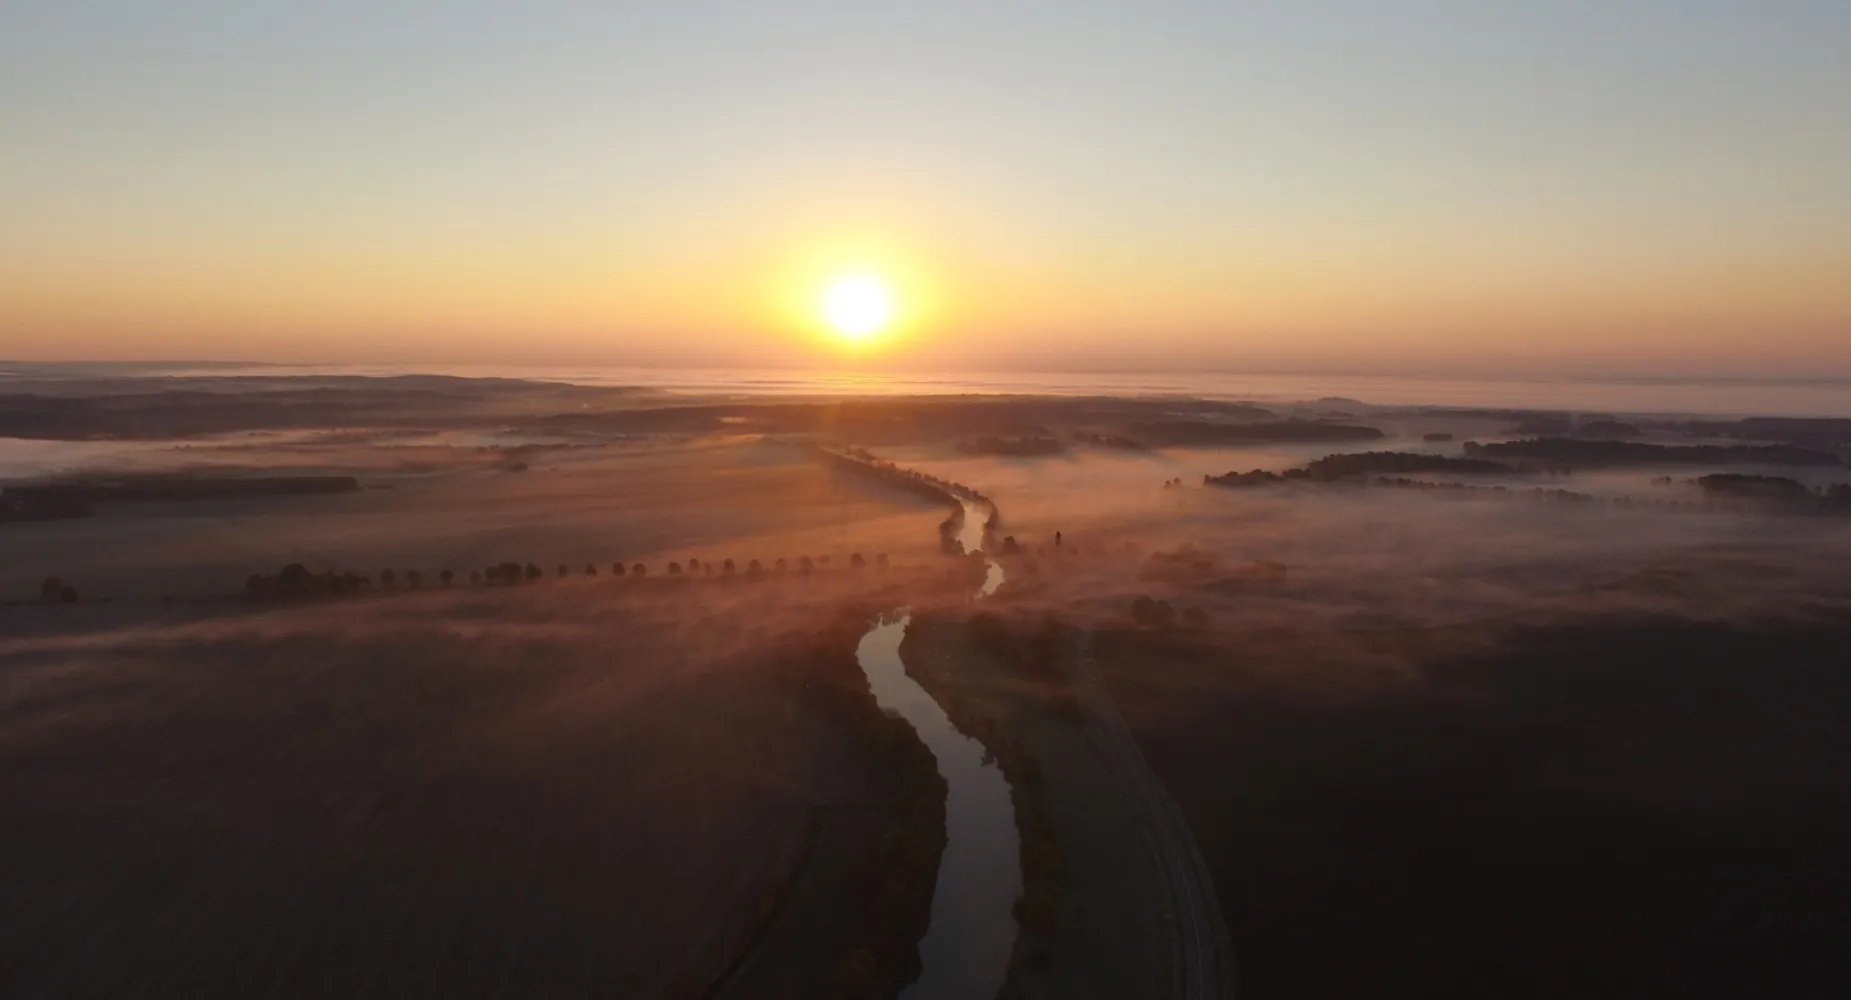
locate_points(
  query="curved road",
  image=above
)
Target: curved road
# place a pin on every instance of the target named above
(1202, 952)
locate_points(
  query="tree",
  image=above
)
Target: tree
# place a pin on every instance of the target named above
(674, 569)
(51, 587)
(68, 595)
(414, 579)
(780, 566)
(293, 579)
(1195, 618)
(639, 570)
(388, 578)
(591, 569)
(881, 560)
(754, 570)
(563, 571)
(535, 572)
(446, 577)
(693, 564)
(856, 562)
(804, 565)
(727, 567)
(509, 573)
(616, 569)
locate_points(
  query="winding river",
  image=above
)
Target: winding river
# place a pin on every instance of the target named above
(965, 951)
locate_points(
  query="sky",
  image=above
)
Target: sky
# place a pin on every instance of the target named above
(1620, 185)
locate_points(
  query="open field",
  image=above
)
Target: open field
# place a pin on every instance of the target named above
(1620, 807)
(647, 502)
(562, 789)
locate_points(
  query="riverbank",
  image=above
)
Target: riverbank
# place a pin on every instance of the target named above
(1094, 910)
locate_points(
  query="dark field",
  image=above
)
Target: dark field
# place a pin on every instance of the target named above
(568, 789)
(1607, 807)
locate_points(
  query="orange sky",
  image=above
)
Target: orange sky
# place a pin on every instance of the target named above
(1270, 190)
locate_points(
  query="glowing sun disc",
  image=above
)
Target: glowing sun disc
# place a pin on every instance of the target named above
(858, 306)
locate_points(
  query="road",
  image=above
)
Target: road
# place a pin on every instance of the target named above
(1205, 971)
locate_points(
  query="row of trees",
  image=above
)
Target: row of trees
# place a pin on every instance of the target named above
(296, 579)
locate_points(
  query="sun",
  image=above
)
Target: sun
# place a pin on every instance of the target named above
(858, 306)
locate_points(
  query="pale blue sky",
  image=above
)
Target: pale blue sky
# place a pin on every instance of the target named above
(1213, 180)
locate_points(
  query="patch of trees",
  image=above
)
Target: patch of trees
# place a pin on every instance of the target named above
(1237, 480)
(1436, 437)
(54, 589)
(1011, 447)
(1754, 487)
(1115, 441)
(1568, 452)
(1399, 462)
(1817, 432)
(1202, 432)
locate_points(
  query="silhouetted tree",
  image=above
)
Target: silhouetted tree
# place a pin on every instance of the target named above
(824, 561)
(616, 569)
(674, 569)
(881, 560)
(780, 566)
(509, 573)
(564, 571)
(446, 577)
(1057, 539)
(754, 570)
(727, 567)
(293, 579)
(856, 562)
(693, 564)
(68, 595)
(388, 578)
(1195, 618)
(414, 579)
(535, 572)
(639, 570)
(51, 587)
(804, 565)
(591, 569)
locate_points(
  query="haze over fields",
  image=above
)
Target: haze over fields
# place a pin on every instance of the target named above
(575, 689)
(728, 500)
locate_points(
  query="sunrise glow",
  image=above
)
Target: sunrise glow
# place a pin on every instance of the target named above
(858, 306)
